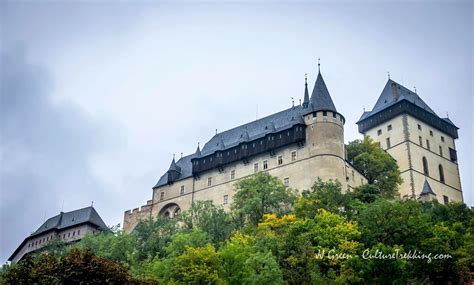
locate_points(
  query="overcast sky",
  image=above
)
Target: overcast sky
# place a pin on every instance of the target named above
(96, 97)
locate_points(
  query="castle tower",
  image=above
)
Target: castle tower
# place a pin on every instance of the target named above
(325, 132)
(422, 143)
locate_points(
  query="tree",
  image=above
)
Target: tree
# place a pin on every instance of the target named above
(367, 193)
(213, 220)
(200, 265)
(376, 165)
(77, 267)
(153, 235)
(323, 195)
(259, 194)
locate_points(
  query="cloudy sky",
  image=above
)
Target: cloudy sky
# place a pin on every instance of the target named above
(97, 96)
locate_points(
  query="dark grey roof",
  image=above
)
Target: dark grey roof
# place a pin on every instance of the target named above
(66, 220)
(69, 219)
(256, 129)
(393, 93)
(173, 166)
(427, 189)
(320, 98)
(185, 166)
(198, 152)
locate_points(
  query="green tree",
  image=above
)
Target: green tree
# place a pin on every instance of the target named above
(181, 240)
(153, 235)
(259, 194)
(213, 220)
(262, 268)
(323, 195)
(376, 165)
(367, 193)
(200, 265)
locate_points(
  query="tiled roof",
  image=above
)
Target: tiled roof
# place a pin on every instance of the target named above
(320, 97)
(69, 219)
(256, 129)
(393, 93)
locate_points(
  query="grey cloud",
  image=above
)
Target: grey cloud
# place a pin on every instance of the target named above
(46, 150)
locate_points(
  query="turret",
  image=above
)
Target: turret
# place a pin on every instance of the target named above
(173, 172)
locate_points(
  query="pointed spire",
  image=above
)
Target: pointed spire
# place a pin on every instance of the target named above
(198, 151)
(319, 65)
(320, 98)
(173, 166)
(306, 93)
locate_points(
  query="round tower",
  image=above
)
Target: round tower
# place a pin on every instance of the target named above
(325, 133)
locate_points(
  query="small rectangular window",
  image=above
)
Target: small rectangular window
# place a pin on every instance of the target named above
(333, 115)
(389, 127)
(314, 114)
(280, 160)
(419, 127)
(441, 150)
(265, 164)
(73, 233)
(442, 138)
(388, 143)
(420, 140)
(182, 190)
(255, 167)
(293, 155)
(325, 113)
(78, 232)
(286, 181)
(428, 144)
(226, 199)
(162, 195)
(431, 133)
(445, 199)
(453, 155)
(209, 181)
(232, 174)
(379, 132)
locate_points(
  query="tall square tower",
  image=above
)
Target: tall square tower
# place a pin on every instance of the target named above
(422, 143)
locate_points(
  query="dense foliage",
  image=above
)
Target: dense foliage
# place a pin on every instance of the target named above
(273, 236)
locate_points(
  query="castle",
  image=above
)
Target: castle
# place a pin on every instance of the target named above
(306, 142)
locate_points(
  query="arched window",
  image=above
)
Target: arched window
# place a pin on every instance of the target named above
(425, 167)
(441, 173)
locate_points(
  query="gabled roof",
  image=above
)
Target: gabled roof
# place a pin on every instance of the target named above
(320, 98)
(393, 93)
(256, 129)
(427, 189)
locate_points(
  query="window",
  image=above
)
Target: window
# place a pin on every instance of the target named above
(453, 155)
(445, 199)
(64, 236)
(162, 195)
(420, 140)
(280, 160)
(314, 114)
(325, 113)
(379, 132)
(419, 127)
(334, 115)
(425, 167)
(389, 127)
(232, 174)
(265, 164)
(255, 167)
(182, 189)
(226, 199)
(286, 181)
(73, 233)
(293, 155)
(428, 144)
(78, 232)
(441, 173)
(353, 176)
(388, 142)
(69, 234)
(209, 181)
(431, 133)
(442, 138)
(441, 150)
